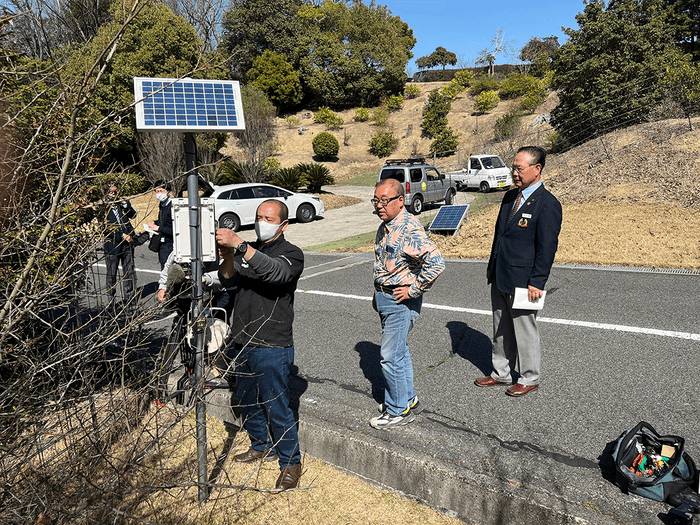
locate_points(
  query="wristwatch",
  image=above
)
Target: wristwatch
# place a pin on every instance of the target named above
(242, 248)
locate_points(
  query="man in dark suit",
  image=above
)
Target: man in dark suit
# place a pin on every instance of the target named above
(119, 244)
(526, 239)
(164, 224)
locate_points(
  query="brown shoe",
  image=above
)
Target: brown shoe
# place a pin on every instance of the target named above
(487, 381)
(289, 477)
(518, 390)
(251, 456)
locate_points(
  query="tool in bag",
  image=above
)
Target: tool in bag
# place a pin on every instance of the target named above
(652, 465)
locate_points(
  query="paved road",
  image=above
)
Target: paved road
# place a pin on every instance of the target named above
(618, 347)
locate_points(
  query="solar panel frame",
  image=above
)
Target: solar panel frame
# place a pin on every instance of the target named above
(188, 105)
(449, 218)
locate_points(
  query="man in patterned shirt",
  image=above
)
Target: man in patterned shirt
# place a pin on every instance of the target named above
(406, 265)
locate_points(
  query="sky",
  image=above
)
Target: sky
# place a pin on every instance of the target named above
(465, 27)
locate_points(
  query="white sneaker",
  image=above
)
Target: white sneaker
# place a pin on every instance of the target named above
(387, 421)
(413, 404)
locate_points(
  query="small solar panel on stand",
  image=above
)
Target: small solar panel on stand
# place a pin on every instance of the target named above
(189, 106)
(449, 219)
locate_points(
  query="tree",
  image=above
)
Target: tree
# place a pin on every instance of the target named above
(272, 74)
(258, 139)
(435, 115)
(539, 54)
(499, 44)
(205, 16)
(254, 26)
(156, 44)
(607, 73)
(439, 57)
(352, 55)
(688, 35)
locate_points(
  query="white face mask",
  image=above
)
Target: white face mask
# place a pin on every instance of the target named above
(265, 231)
(162, 197)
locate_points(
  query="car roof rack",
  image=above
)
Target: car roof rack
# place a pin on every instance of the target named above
(396, 162)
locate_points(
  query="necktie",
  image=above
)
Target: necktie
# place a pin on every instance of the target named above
(516, 206)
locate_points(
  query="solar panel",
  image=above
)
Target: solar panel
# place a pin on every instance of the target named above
(168, 104)
(449, 218)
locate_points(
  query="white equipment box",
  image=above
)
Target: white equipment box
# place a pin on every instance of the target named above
(181, 230)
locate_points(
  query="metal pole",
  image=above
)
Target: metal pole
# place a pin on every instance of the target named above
(197, 307)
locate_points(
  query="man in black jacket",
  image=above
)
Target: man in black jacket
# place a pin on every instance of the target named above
(164, 224)
(119, 238)
(265, 274)
(524, 245)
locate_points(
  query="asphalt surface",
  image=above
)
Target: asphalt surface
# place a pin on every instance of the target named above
(618, 346)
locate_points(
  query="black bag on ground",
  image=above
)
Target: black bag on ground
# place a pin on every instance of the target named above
(651, 465)
(154, 243)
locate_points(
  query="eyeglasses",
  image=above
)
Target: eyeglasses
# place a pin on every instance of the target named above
(519, 170)
(383, 202)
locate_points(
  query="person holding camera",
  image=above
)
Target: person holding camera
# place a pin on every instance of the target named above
(119, 244)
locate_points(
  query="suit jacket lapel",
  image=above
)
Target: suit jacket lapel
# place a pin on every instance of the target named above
(528, 204)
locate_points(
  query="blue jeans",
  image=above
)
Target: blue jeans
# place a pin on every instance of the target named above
(263, 393)
(397, 321)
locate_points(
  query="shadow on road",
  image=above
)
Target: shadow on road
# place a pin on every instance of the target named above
(471, 345)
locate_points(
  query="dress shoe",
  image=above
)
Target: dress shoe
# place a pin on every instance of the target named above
(251, 456)
(518, 390)
(487, 381)
(289, 477)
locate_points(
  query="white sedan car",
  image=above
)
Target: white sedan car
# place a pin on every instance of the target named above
(235, 204)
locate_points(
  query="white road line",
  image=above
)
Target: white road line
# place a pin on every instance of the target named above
(569, 322)
(142, 270)
(330, 270)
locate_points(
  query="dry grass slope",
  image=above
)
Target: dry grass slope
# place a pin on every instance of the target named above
(630, 197)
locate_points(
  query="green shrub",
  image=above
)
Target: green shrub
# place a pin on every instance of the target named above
(486, 101)
(383, 143)
(445, 143)
(533, 98)
(435, 115)
(517, 84)
(326, 116)
(380, 117)
(288, 178)
(411, 91)
(315, 175)
(231, 172)
(463, 78)
(361, 115)
(271, 165)
(451, 90)
(395, 102)
(292, 121)
(507, 126)
(325, 145)
(483, 83)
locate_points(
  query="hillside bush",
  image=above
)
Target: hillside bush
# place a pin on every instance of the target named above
(463, 78)
(383, 143)
(451, 91)
(361, 115)
(395, 102)
(380, 117)
(292, 121)
(411, 91)
(483, 83)
(445, 143)
(533, 98)
(435, 115)
(517, 84)
(315, 175)
(326, 116)
(507, 126)
(325, 145)
(486, 101)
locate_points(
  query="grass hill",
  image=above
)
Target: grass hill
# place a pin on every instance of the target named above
(631, 197)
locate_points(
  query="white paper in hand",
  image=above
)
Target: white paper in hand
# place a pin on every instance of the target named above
(521, 301)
